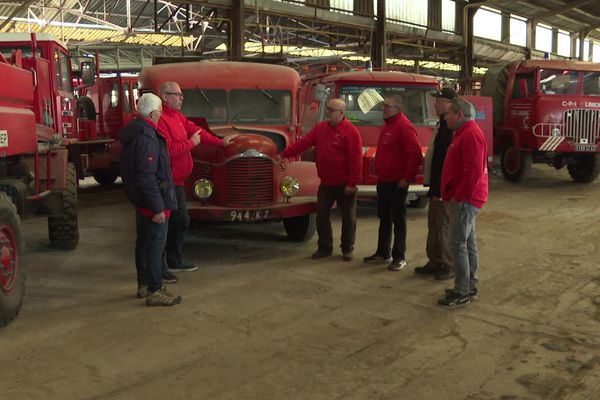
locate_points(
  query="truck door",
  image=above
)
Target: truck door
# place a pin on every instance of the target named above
(127, 105)
(518, 112)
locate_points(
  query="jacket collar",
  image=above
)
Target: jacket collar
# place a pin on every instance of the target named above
(393, 119)
(148, 121)
(169, 111)
(464, 127)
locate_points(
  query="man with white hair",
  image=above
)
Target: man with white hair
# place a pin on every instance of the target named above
(146, 173)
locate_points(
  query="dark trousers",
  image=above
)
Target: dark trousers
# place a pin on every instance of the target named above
(391, 210)
(178, 226)
(149, 245)
(326, 196)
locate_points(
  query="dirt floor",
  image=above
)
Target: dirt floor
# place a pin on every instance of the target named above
(260, 320)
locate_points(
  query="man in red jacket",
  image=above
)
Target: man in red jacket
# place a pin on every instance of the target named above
(465, 189)
(397, 161)
(182, 136)
(338, 149)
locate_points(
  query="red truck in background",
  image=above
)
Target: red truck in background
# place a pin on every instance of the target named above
(36, 133)
(546, 111)
(363, 92)
(243, 182)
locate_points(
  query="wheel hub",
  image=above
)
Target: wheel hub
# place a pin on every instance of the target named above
(9, 259)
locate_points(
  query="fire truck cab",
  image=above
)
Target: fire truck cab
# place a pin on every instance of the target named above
(243, 182)
(546, 111)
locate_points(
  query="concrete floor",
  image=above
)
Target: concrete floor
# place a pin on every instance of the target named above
(260, 320)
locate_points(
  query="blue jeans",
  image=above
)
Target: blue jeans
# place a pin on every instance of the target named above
(463, 246)
(178, 226)
(149, 247)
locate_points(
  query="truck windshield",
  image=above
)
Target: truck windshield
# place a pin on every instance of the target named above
(210, 104)
(591, 83)
(25, 51)
(561, 82)
(363, 103)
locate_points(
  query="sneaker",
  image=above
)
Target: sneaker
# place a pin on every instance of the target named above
(183, 268)
(142, 291)
(443, 274)
(397, 265)
(168, 277)
(426, 270)
(348, 256)
(472, 293)
(162, 298)
(453, 300)
(320, 254)
(376, 258)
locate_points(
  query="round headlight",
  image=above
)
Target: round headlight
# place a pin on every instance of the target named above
(289, 186)
(203, 188)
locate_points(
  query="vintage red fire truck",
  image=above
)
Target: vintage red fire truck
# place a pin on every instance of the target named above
(243, 182)
(36, 127)
(546, 111)
(363, 92)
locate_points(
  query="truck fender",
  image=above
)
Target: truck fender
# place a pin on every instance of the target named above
(306, 173)
(506, 137)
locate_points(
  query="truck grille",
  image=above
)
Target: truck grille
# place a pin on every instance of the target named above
(202, 170)
(581, 125)
(249, 182)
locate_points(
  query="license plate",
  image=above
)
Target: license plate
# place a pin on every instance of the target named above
(249, 215)
(412, 196)
(585, 147)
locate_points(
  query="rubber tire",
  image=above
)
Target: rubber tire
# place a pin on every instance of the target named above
(105, 177)
(420, 202)
(10, 303)
(302, 228)
(586, 169)
(63, 229)
(515, 173)
(85, 108)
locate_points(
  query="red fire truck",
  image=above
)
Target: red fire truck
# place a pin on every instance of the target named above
(36, 127)
(242, 182)
(546, 111)
(363, 91)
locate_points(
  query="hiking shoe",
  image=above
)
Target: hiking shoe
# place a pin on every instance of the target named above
(168, 277)
(397, 265)
(348, 256)
(443, 274)
(453, 300)
(426, 270)
(320, 254)
(162, 298)
(472, 293)
(142, 291)
(376, 258)
(183, 268)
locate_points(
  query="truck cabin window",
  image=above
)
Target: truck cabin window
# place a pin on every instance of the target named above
(364, 104)
(26, 51)
(591, 83)
(210, 104)
(558, 82)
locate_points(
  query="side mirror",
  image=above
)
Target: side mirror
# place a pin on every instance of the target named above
(523, 88)
(320, 92)
(87, 73)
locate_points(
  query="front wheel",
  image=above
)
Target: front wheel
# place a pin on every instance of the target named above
(584, 168)
(302, 228)
(515, 163)
(63, 229)
(12, 274)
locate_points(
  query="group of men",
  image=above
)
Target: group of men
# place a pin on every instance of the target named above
(156, 159)
(455, 170)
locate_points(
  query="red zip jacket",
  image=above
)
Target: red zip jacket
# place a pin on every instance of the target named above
(338, 149)
(399, 153)
(177, 130)
(465, 174)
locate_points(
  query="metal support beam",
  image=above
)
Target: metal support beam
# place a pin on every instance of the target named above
(559, 10)
(16, 11)
(505, 28)
(434, 15)
(554, 40)
(237, 29)
(378, 39)
(582, 36)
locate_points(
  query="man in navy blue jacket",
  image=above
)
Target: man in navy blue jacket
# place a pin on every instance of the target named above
(148, 182)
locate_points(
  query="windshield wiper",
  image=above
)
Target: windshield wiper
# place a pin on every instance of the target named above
(206, 99)
(271, 98)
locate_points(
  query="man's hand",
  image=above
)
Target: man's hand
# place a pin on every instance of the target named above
(350, 190)
(282, 163)
(227, 140)
(195, 138)
(403, 184)
(159, 218)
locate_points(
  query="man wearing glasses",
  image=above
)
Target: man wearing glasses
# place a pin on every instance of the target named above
(338, 148)
(397, 161)
(182, 136)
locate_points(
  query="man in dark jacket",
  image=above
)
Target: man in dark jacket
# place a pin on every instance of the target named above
(146, 173)
(438, 254)
(397, 161)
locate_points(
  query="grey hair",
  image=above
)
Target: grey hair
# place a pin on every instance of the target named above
(166, 86)
(398, 100)
(147, 103)
(461, 105)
